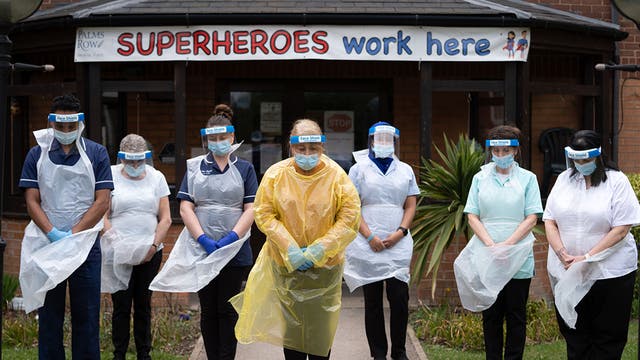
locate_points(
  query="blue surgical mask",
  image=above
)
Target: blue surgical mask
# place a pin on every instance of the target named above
(65, 138)
(307, 162)
(383, 151)
(220, 148)
(134, 172)
(503, 162)
(586, 169)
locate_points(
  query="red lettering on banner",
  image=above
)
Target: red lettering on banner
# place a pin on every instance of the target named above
(217, 42)
(152, 41)
(182, 43)
(239, 42)
(324, 46)
(200, 41)
(162, 44)
(287, 42)
(298, 41)
(123, 40)
(235, 43)
(259, 43)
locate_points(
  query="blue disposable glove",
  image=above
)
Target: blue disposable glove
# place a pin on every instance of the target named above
(314, 253)
(55, 234)
(208, 243)
(230, 238)
(297, 259)
(307, 264)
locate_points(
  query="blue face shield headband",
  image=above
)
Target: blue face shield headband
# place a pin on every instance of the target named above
(66, 117)
(582, 154)
(134, 156)
(217, 130)
(384, 129)
(301, 139)
(502, 142)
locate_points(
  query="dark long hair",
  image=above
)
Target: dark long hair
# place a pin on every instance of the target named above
(589, 139)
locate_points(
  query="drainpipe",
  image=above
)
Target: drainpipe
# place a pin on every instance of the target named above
(616, 94)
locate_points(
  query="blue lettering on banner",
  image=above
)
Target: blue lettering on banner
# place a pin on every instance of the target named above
(453, 46)
(373, 45)
(353, 44)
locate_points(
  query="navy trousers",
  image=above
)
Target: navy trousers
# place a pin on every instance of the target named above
(84, 294)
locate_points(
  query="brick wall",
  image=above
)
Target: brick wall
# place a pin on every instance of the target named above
(629, 50)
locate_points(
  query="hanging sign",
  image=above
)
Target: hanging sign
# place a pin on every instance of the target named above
(290, 42)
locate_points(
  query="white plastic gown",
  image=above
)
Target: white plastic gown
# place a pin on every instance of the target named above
(481, 271)
(382, 198)
(298, 310)
(134, 219)
(584, 217)
(66, 193)
(218, 206)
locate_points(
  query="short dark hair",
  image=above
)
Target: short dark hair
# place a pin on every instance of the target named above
(504, 132)
(589, 139)
(66, 102)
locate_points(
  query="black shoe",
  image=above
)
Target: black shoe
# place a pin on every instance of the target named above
(380, 358)
(401, 357)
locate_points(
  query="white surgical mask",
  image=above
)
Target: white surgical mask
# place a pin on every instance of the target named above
(65, 138)
(134, 172)
(220, 148)
(586, 169)
(307, 162)
(503, 162)
(383, 151)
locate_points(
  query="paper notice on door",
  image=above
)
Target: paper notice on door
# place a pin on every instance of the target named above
(338, 125)
(271, 117)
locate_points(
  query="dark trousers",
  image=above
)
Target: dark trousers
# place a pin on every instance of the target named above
(84, 298)
(218, 318)
(290, 354)
(512, 305)
(603, 320)
(398, 297)
(138, 292)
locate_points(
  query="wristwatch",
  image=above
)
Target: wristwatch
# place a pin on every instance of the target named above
(404, 230)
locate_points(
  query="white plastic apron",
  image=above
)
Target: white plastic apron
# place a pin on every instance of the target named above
(363, 265)
(134, 219)
(383, 197)
(218, 205)
(66, 193)
(482, 271)
(571, 285)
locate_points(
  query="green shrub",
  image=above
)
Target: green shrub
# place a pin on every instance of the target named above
(170, 335)
(10, 285)
(462, 329)
(443, 194)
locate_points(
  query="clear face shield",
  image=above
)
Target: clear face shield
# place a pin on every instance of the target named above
(307, 149)
(571, 155)
(502, 148)
(384, 141)
(134, 163)
(218, 140)
(67, 128)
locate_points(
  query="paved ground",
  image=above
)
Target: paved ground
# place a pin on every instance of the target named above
(350, 342)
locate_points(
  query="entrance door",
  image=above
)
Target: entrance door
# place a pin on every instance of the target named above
(264, 113)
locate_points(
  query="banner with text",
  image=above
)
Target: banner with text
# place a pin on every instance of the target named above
(290, 42)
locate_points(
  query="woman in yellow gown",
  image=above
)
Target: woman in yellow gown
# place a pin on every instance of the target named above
(310, 211)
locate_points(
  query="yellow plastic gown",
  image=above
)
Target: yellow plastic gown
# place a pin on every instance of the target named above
(298, 310)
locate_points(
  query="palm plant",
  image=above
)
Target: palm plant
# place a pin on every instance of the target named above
(443, 194)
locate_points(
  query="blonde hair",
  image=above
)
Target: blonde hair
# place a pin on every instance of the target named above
(133, 143)
(305, 127)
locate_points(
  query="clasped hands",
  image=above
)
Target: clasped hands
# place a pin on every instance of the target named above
(376, 244)
(568, 259)
(304, 258)
(210, 245)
